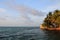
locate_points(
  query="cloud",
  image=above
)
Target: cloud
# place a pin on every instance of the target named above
(2, 10)
(23, 19)
(22, 8)
(25, 10)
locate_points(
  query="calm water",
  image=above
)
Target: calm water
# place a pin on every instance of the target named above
(27, 33)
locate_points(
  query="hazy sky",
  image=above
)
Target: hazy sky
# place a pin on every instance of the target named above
(25, 12)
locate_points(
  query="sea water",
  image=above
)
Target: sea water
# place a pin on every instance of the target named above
(27, 33)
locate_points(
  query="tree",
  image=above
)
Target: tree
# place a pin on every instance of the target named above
(52, 19)
(47, 20)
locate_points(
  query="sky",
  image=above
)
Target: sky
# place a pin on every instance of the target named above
(25, 12)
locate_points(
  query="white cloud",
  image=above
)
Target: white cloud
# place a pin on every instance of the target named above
(20, 21)
(23, 19)
(2, 10)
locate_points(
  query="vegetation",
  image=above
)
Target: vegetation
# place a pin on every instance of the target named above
(52, 19)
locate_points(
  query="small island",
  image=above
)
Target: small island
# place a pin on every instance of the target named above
(52, 21)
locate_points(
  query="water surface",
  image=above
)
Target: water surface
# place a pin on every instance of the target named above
(27, 33)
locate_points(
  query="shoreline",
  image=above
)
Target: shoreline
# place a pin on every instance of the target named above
(45, 28)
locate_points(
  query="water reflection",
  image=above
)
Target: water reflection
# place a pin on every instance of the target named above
(52, 35)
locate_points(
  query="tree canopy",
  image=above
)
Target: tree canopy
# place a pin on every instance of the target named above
(52, 19)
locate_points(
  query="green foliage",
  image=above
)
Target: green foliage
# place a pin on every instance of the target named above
(52, 19)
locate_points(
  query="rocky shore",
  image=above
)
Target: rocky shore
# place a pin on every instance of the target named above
(46, 28)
